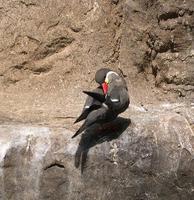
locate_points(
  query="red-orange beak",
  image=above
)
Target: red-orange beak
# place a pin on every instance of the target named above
(105, 88)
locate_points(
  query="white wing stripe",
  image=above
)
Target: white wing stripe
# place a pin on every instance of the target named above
(114, 100)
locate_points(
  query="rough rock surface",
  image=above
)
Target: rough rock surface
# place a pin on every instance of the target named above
(150, 156)
(49, 52)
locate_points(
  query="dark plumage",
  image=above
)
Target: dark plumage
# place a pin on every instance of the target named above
(99, 97)
(100, 115)
(101, 75)
(90, 105)
(104, 105)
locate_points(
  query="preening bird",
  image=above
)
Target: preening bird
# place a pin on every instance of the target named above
(106, 102)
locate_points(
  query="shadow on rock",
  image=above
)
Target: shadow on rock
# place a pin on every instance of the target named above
(98, 134)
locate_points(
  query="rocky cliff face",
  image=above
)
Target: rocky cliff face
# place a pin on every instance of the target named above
(149, 156)
(49, 52)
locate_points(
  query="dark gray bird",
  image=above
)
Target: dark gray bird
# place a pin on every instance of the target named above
(107, 104)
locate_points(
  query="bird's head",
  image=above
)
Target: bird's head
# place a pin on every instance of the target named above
(104, 77)
(100, 78)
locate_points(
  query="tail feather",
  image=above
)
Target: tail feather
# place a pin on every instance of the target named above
(82, 116)
(86, 112)
(97, 96)
(80, 130)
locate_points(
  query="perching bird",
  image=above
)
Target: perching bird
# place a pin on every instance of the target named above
(114, 101)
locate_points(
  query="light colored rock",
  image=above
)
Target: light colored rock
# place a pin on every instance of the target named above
(150, 157)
